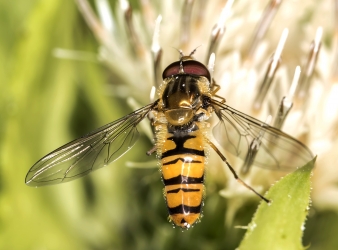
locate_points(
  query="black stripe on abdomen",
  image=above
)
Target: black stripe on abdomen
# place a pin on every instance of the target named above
(177, 151)
(181, 179)
(180, 149)
(186, 190)
(180, 159)
(184, 209)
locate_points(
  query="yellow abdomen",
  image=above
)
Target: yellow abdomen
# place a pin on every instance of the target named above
(182, 161)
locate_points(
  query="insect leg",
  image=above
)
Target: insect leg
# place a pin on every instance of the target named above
(234, 172)
(214, 89)
(151, 151)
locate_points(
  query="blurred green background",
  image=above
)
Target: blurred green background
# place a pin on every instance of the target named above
(46, 102)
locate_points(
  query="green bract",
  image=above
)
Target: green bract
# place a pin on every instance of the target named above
(280, 225)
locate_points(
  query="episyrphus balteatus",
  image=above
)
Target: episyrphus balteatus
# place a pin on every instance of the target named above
(186, 100)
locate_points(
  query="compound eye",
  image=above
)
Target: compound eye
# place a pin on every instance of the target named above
(190, 67)
(178, 117)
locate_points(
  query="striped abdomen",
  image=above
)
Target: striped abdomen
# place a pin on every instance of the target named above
(183, 174)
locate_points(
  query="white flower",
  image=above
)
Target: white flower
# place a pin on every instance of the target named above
(126, 44)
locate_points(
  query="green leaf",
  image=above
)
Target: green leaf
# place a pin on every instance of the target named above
(280, 225)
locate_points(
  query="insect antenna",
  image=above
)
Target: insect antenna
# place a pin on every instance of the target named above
(193, 52)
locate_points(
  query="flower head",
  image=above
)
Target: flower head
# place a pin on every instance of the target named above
(268, 62)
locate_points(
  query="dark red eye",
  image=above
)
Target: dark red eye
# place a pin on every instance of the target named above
(190, 67)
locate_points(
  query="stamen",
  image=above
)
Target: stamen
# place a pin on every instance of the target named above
(186, 22)
(95, 25)
(156, 51)
(294, 83)
(199, 14)
(211, 64)
(335, 46)
(304, 83)
(254, 147)
(152, 93)
(106, 17)
(124, 4)
(287, 101)
(331, 110)
(271, 71)
(155, 46)
(134, 40)
(148, 12)
(75, 55)
(263, 25)
(219, 29)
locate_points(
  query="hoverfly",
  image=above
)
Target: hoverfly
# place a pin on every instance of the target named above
(187, 99)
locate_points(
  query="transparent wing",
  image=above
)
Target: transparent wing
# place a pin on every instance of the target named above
(88, 153)
(256, 142)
